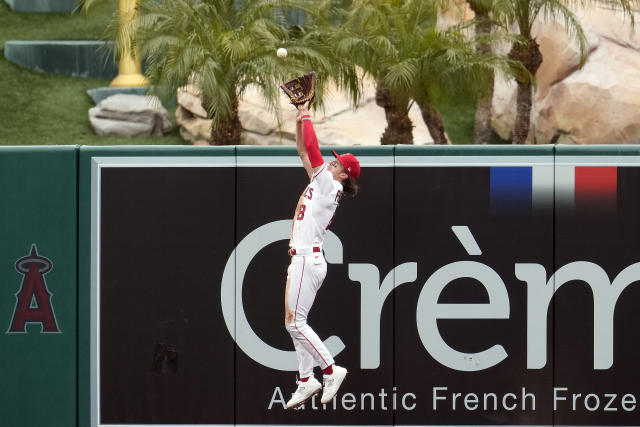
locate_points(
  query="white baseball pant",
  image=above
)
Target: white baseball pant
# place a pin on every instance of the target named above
(304, 277)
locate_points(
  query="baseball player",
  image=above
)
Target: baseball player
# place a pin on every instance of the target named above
(313, 214)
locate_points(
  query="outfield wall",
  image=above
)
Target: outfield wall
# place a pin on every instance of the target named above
(492, 285)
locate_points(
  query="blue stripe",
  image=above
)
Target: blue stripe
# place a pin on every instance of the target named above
(511, 190)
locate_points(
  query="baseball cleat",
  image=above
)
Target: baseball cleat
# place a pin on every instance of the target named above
(306, 390)
(332, 383)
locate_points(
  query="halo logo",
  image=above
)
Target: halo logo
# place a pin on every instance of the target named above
(33, 300)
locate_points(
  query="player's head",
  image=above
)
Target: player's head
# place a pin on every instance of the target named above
(346, 169)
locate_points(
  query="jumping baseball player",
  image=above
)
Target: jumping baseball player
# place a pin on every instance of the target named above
(314, 212)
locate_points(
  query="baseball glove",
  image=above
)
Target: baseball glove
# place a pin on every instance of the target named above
(301, 89)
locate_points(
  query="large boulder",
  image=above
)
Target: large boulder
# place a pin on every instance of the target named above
(193, 128)
(130, 116)
(191, 116)
(597, 103)
(190, 99)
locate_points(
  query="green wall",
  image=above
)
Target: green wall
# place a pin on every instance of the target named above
(38, 371)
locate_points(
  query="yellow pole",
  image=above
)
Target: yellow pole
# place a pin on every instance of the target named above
(130, 66)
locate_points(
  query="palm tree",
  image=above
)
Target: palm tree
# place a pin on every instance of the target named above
(397, 42)
(524, 13)
(225, 46)
(452, 68)
(377, 34)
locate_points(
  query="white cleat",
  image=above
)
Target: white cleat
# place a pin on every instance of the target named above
(332, 383)
(306, 390)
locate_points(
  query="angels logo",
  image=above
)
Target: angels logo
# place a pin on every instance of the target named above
(33, 300)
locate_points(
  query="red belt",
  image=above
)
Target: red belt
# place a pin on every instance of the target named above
(293, 252)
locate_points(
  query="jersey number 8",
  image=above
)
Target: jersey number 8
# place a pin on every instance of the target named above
(301, 212)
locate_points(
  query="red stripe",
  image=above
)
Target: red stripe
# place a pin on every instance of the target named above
(296, 314)
(596, 186)
(319, 170)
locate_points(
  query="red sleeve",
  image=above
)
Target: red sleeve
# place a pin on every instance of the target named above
(311, 142)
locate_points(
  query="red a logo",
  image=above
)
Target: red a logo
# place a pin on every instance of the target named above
(33, 303)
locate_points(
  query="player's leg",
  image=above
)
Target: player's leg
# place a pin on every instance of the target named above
(308, 386)
(305, 280)
(301, 298)
(306, 360)
(333, 375)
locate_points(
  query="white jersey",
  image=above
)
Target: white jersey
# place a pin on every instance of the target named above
(316, 208)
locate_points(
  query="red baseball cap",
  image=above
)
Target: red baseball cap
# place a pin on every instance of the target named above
(350, 163)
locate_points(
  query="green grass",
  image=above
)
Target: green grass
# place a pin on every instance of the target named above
(458, 115)
(41, 109)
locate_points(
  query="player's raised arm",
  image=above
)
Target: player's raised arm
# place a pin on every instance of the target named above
(307, 142)
(302, 151)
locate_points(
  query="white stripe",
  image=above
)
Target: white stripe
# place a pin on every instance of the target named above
(542, 180)
(465, 237)
(413, 161)
(565, 180)
(376, 161)
(166, 161)
(94, 321)
(294, 161)
(597, 160)
(268, 161)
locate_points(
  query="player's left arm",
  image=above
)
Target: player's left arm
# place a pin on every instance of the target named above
(307, 141)
(302, 151)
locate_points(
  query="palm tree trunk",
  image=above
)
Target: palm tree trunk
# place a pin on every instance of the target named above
(530, 56)
(482, 130)
(399, 128)
(228, 132)
(524, 103)
(433, 119)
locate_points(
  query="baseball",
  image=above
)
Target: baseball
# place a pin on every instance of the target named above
(282, 52)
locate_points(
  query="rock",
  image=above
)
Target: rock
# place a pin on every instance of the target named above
(560, 53)
(250, 138)
(200, 142)
(106, 127)
(458, 10)
(193, 128)
(258, 119)
(365, 126)
(130, 116)
(191, 116)
(353, 127)
(596, 104)
(189, 98)
(599, 104)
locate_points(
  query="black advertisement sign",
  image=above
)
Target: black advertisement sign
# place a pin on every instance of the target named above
(461, 290)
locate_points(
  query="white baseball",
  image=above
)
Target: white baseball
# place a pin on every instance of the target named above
(282, 52)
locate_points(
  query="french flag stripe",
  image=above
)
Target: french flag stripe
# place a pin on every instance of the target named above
(565, 183)
(511, 189)
(596, 185)
(521, 188)
(542, 178)
(518, 189)
(586, 186)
